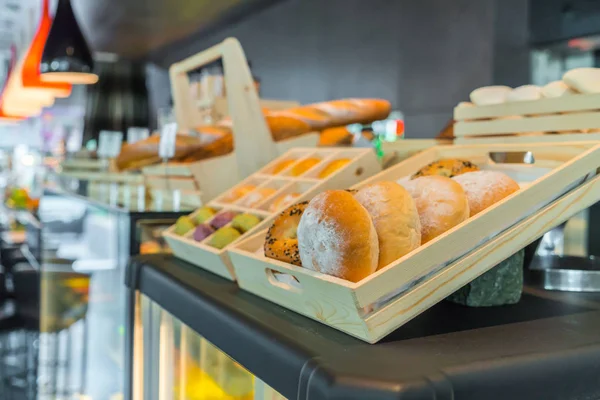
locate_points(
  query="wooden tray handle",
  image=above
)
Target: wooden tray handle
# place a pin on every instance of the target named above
(253, 144)
(293, 286)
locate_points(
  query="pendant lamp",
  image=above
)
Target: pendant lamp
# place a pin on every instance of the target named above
(17, 100)
(7, 118)
(31, 65)
(67, 57)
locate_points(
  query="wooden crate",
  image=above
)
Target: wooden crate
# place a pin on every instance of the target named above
(568, 118)
(254, 146)
(363, 163)
(382, 302)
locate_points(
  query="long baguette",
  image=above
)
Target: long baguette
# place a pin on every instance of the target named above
(282, 124)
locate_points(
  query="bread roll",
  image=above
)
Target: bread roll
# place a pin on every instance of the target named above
(441, 202)
(557, 89)
(395, 217)
(448, 167)
(524, 93)
(489, 95)
(584, 80)
(485, 188)
(337, 237)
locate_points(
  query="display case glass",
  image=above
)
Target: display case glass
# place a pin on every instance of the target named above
(85, 248)
(173, 362)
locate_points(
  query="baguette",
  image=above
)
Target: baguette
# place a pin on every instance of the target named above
(282, 124)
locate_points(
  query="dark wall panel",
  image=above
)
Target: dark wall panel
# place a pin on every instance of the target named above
(424, 56)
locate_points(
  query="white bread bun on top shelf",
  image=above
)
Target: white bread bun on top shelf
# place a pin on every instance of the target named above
(584, 80)
(557, 89)
(524, 93)
(489, 95)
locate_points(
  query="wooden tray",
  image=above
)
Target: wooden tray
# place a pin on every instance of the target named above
(566, 118)
(363, 163)
(377, 305)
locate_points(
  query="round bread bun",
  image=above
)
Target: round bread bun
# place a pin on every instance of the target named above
(484, 188)
(337, 237)
(395, 217)
(281, 242)
(448, 167)
(441, 202)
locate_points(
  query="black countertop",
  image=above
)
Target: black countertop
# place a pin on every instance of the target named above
(545, 347)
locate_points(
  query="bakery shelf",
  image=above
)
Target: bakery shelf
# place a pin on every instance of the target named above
(568, 118)
(362, 163)
(524, 351)
(560, 183)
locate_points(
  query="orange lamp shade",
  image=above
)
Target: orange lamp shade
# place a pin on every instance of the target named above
(9, 118)
(31, 64)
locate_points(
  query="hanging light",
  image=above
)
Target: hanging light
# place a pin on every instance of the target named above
(7, 118)
(31, 65)
(67, 57)
(17, 100)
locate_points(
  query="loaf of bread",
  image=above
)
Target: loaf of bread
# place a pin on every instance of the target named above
(282, 124)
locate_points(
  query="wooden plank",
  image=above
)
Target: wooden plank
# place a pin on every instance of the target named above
(580, 102)
(538, 138)
(544, 123)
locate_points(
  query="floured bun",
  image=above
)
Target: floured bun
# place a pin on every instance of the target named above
(485, 188)
(441, 202)
(395, 217)
(337, 237)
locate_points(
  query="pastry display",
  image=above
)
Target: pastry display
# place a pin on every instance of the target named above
(395, 218)
(256, 197)
(183, 225)
(447, 167)
(237, 193)
(441, 204)
(204, 214)
(202, 231)
(352, 233)
(282, 166)
(283, 124)
(332, 167)
(223, 218)
(283, 201)
(336, 236)
(485, 188)
(281, 242)
(244, 222)
(304, 166)
(223, 237)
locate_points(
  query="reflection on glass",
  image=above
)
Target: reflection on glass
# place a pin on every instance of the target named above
(190, 367)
